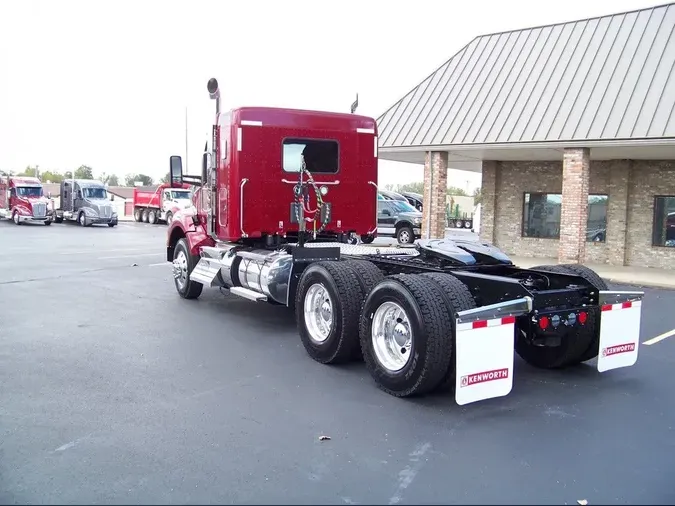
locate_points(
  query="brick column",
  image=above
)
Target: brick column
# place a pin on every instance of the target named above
(488, 206)
(574, 209)
(437, 191)
(617, 212)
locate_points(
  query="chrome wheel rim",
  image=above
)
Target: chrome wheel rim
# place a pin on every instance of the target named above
(16, 217)
(180, 269)
(404, 236)
(391, 336)
(318, 311)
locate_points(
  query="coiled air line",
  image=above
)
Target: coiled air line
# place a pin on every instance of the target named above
(302, 198)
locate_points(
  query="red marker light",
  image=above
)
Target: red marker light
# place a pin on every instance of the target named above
(543, 322)
(583, 316)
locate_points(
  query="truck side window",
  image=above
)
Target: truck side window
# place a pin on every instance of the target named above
(321, 156)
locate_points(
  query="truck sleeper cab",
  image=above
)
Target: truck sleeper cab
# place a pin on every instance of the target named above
(442, 315)
(22, 200)
(85, 201)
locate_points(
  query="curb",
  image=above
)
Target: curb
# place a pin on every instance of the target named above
(662, 286)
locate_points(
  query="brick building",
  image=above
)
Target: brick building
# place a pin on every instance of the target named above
(572, 126)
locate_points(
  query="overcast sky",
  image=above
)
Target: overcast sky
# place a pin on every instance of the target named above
(106, 83)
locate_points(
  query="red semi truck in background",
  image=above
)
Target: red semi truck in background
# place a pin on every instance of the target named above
(160, 202)
(22, 200)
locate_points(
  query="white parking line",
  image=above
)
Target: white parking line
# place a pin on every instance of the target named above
(160, 264)
(656, 339)
(131, 256)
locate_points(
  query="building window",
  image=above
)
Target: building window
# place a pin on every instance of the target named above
(321, 156)
(596, 227)
(663, 229)
(541, 216)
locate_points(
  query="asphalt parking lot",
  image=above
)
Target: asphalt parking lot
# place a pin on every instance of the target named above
(115, 390)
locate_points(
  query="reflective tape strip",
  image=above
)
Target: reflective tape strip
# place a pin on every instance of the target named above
(480, 324)
(622, 305)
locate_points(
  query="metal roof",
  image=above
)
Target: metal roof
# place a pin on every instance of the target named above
(603, 78)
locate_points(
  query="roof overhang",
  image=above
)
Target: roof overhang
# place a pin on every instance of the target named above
(469, 157)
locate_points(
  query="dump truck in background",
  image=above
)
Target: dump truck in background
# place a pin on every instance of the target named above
(22, 200)
(85, 201)
(156, 203)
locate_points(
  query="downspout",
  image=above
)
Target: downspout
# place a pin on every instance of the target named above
(431, 187)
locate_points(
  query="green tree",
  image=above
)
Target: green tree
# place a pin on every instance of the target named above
(28, 171)
(477, 196)
(166, 179)
(109, 179)
(457, 192)
(84, 172)
(130, 179)
(53, 176)
(416, 187)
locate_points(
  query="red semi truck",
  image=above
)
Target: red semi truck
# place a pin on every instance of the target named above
(160, 202)
(282, 190)
(22, 200)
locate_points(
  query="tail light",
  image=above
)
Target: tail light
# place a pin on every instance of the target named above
(583, 316)
(543, 322)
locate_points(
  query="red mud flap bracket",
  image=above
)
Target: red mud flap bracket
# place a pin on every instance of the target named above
(620, 315)
(484, 350)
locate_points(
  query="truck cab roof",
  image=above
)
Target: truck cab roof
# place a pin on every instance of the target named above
(300, 118)
(25, 181)
(85, 182)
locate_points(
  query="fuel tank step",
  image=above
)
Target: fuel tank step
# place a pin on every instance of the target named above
(206, 272)
(248, 294)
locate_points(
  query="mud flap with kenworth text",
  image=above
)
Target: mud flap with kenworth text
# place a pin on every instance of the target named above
(484, 353)
(620, 315)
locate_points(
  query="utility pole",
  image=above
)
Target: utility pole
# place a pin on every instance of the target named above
(186, 141)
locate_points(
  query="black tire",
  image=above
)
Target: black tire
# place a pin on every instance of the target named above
(191, 289)
(594, 279)
(431, 328)
(48, 222)
(367, 238)
(368, 275)
(82, 219)
(15, 218)
(152, 217)
(579, 345)
(342, 286)
(58, 220)
(169, 218)
(111, 225)
(138, 215)
(457, 298)
(405, 235)
(144, 216)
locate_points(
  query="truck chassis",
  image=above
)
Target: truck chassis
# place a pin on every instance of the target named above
(420, 321)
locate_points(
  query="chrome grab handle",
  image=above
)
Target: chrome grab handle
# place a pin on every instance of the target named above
(376, 189)
(241, 207)
(318, 183)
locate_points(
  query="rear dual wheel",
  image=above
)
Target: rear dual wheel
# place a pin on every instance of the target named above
(407, 332)
(402, 326)
(328, 306)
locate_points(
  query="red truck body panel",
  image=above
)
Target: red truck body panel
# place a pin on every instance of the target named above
(151, 196)
(250, 151)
